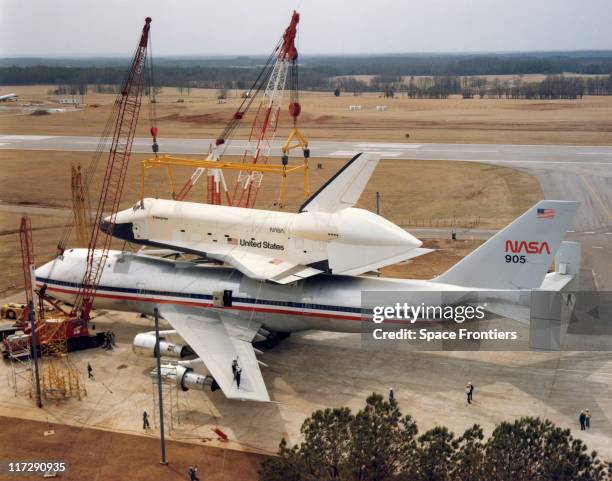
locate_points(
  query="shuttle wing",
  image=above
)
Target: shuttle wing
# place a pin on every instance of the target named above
(264, 268)
(217, 339)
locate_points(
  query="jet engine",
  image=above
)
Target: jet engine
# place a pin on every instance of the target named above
(144, 344)
(186, 378)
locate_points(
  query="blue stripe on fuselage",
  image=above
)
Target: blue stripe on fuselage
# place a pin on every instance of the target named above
(244, 300)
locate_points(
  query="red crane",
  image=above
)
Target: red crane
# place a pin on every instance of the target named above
(125, 114)
(27, 263)
(264, 126)
(281, 66)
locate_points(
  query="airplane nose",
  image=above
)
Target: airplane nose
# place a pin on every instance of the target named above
(43, 271)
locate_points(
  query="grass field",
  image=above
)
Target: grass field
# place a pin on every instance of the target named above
(454, 120)
(421, 191)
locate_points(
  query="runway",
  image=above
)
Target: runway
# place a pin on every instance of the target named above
(498, 153)
(565, 172)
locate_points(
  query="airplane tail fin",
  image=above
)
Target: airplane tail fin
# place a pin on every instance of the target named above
(345, 187)
(518, 256)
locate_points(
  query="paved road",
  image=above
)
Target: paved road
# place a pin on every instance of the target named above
(582, 173)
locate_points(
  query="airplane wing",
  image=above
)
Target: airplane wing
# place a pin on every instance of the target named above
(261, 267)
(217, 339)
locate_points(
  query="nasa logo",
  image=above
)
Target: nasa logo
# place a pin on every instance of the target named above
(532, 247)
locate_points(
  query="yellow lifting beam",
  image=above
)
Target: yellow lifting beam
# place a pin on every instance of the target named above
(299, 141)
(169, 161)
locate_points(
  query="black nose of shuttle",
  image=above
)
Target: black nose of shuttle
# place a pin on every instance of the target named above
(120, 231)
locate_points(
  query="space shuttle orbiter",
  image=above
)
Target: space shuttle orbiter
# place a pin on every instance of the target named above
(327, 234)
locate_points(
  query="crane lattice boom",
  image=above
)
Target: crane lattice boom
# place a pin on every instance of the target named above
(264, 125)
(272, 79)
(126, 110)
(27, 260)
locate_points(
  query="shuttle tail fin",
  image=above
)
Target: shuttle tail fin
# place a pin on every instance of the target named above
(518, 256)
(345, 187)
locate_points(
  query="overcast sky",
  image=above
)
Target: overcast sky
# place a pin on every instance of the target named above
(204, 27)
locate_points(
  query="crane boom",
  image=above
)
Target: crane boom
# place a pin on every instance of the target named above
(79, 208)
(27, 262)
(280, 66)
(264, 125)
(126, 110)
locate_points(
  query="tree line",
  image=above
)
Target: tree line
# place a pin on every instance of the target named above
(379, 443)
(105, 79)
(582, 62)
(440, 87)
(194, 77)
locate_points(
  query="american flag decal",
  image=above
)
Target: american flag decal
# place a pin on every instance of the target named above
(232, 241)
(545, 213)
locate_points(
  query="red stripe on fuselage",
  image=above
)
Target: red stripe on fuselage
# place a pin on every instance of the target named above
(208, 304)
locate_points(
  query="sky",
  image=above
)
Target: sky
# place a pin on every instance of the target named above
(57, 28)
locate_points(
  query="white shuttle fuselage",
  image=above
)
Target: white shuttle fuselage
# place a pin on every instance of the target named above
(268, 245)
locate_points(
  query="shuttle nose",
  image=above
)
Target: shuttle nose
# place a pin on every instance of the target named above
(122, 227)
(122, 231)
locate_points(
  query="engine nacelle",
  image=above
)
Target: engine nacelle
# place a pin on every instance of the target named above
(186, 378)
(144, 344)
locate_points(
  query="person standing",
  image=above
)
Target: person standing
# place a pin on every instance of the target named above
(192, 473)
(108, 340)
(587, 419)
(89, 371)
(469, 392)
(234, 366)
(582, 420)
(237, 375)
(391, 395)
(145, 421)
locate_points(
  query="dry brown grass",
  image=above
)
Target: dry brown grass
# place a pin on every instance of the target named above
(415, 190)
(446, 254)
(97, 454)
(587, 121)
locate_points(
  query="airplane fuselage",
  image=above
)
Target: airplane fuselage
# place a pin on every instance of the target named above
(139, 283)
